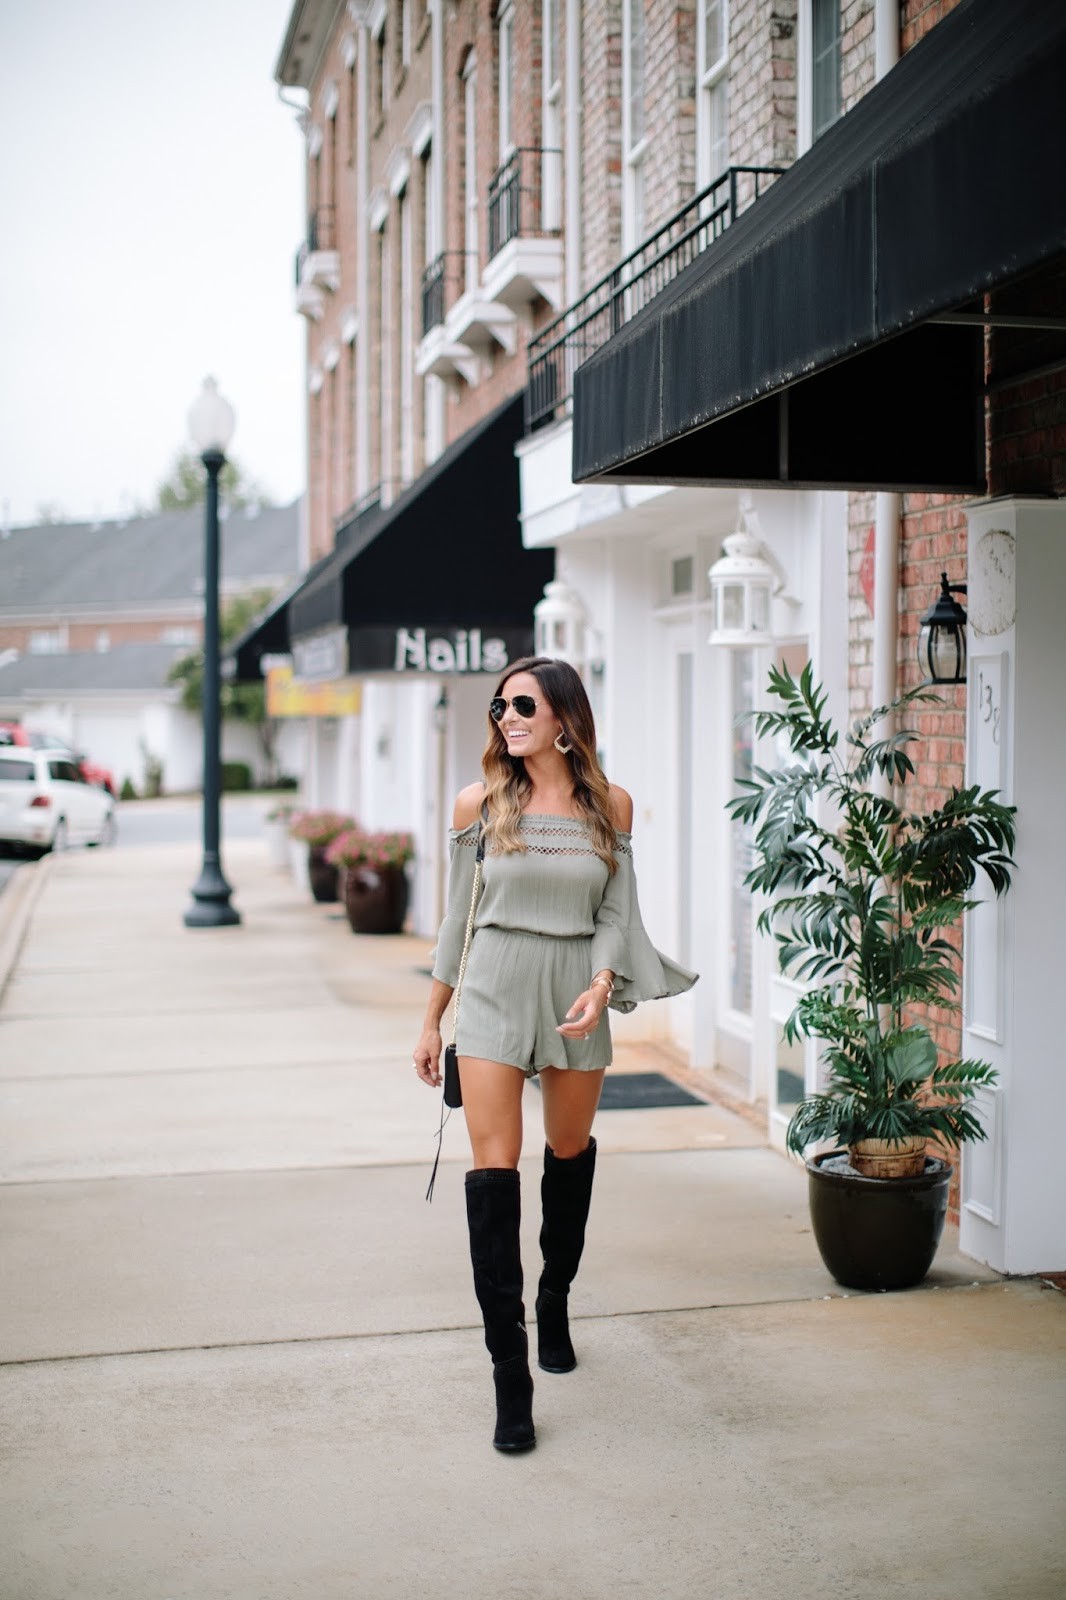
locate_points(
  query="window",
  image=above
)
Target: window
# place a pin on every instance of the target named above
(551, 116)
(825, 65)
(64, 771)
(405, 32)
(48, 642)
(505, 60)
(17, 771)
(470, 219)
(103, 642)
(682, 577)
(181, 634)
(634, 139)
(381, 71)
(385, 360)
(407, 342)
(712, 115)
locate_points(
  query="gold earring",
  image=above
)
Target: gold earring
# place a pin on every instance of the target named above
(565, 748)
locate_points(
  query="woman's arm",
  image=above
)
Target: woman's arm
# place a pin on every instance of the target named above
(428, 1049)
(468, 805)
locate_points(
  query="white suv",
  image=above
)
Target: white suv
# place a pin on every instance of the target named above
(45, 803)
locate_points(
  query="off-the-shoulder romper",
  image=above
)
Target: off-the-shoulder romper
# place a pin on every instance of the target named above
(549, 917)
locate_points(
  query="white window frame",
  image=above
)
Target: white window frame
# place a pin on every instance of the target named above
(551, 100)
(634, 139)
(407, 339)
(712, 105)
(505, 68)
(49, 641)
(385, 364)
(470, 195)
(805, 77)
(405, 33)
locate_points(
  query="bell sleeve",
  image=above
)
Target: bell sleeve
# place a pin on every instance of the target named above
(462, 849)
(620, 943)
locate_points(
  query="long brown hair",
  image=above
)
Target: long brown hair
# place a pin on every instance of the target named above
(508, 786)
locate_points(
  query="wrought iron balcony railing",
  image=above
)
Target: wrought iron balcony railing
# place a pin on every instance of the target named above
(321, 235)
(555, 353)
(516, 196)
(445, 271)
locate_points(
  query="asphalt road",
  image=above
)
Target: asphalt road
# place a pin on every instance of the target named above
(175, 821)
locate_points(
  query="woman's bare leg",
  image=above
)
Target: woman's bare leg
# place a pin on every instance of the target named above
(492, 1102)
(570, 1101)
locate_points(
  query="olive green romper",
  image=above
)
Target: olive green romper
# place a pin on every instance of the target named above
(549, 918)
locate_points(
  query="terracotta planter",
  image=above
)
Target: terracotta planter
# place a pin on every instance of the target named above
(877, 1233)
(375, 899)
(321, 875)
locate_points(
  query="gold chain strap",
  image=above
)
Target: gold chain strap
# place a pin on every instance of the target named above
(474, 893)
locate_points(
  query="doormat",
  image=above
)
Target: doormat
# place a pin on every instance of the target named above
(643, 1091)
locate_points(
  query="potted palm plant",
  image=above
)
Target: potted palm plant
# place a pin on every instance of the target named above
(860, 912)
(318, 829)
(372, 866)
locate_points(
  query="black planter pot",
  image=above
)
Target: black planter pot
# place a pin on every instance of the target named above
(877, 1233)
(321, 875)
(375, 899)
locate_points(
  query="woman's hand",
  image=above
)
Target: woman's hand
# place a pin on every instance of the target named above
(584, 1015)
(427, 1057)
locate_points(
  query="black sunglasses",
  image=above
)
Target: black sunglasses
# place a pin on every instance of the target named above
(524, 704)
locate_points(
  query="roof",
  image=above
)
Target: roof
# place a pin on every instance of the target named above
(126, 667)
(79, 566)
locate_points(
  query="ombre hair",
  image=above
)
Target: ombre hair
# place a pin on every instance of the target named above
(508, 786)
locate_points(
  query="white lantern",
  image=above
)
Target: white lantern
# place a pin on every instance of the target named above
(742, 584)
(211, 420)
(560, 625)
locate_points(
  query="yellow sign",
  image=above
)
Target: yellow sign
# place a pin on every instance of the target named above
(286, 698)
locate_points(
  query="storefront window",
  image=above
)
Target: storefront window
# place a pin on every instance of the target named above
(742, 834)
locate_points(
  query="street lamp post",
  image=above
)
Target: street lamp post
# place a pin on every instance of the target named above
(211, 423)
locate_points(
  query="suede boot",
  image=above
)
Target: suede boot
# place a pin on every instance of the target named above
(566, 1190)
(494, 1211)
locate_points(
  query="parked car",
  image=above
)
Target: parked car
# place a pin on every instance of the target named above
(46, 804)
(13, 733)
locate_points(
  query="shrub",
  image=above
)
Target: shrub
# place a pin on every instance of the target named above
(236, 777)
(127, 792)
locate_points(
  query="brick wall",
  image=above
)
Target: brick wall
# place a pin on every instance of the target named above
(762, 82)
(856, 51)
(84, 635)
(601, 156)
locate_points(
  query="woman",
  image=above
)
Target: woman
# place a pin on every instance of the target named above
(557, 939)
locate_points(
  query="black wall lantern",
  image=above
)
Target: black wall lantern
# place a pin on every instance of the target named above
(942, 636)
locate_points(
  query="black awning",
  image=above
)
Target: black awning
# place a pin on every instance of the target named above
(800, 347)
(429, 582)
(268, 636)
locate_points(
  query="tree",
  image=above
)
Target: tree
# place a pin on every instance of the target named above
(186, 485)
(239, 702)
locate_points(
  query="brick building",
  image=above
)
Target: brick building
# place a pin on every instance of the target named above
(531, 199)
(903, 307)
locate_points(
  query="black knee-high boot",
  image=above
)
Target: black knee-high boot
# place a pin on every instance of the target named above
(566, 1190)
(494, 1212)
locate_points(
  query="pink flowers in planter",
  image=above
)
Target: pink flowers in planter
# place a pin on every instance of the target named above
(358, 848)
(319, 828)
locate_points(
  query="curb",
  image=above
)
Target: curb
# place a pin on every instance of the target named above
(16, 909)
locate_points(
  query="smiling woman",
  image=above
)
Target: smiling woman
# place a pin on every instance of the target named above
(543, 932)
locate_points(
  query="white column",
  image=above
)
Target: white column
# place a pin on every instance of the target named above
(362, 285)
(1014, 1185)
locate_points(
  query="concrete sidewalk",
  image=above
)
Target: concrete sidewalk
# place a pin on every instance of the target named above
(241, 1357)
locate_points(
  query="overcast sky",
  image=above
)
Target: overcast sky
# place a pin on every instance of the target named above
(151, 202)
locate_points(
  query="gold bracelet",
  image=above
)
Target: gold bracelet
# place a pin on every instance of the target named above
(608, 984)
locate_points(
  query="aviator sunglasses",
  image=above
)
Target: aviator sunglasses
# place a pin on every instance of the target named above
(524, 704)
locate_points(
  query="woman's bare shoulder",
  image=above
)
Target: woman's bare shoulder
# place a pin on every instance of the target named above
(467, 805)
(621, 809)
